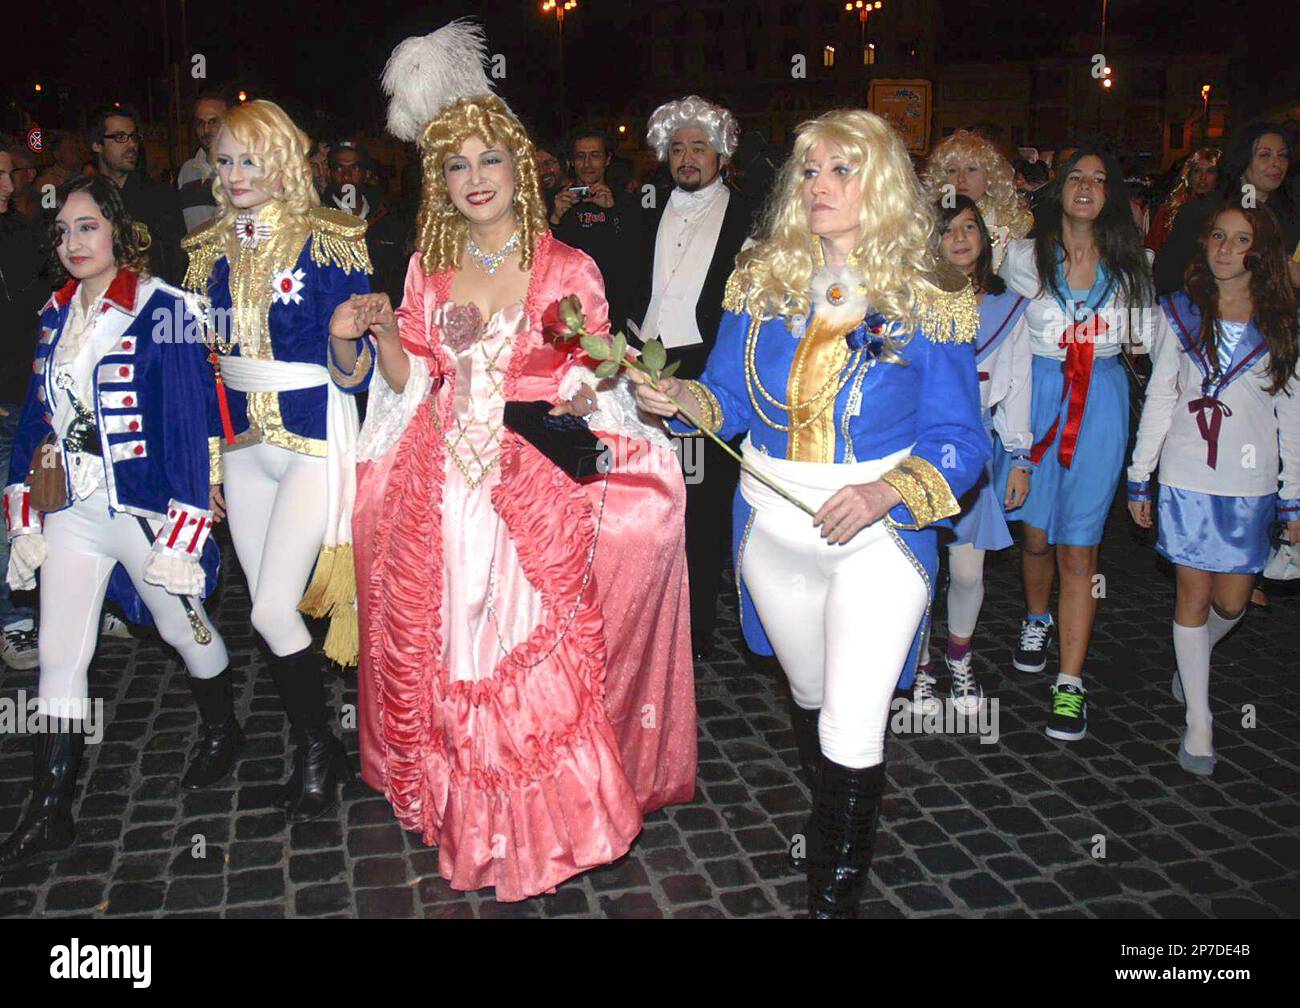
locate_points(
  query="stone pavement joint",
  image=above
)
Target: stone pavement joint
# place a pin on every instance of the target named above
(1007, 829)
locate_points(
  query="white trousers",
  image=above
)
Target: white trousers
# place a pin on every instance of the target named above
(840, 618)
(85, 542)
(277, 505)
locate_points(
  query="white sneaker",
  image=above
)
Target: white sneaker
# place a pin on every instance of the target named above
(967, 694)
(924, 702)
(19, 650)
(111, 626)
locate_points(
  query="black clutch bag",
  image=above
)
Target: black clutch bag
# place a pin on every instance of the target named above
(566, 440)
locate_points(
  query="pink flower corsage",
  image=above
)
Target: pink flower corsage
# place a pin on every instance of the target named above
(461, 326)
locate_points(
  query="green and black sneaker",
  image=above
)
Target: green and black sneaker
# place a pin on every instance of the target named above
(1068, 721)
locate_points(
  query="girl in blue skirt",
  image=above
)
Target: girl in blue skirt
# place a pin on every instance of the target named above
(1222, 418)
(1002, 360)
(1089, 281)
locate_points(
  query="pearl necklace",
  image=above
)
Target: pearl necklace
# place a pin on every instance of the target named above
(490, 262)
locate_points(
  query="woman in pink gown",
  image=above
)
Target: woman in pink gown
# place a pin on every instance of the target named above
(526, 688)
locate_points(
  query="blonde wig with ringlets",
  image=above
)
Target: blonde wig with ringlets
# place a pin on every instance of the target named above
(893, 251)
(264, 128)
(1000, 204)
(441, 229)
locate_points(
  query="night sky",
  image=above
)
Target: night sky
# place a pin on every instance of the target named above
(328, 54)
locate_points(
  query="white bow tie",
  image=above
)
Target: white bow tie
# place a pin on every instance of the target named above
(250, 231)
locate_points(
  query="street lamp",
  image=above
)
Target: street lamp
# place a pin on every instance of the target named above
(558, 8)
(863, 8)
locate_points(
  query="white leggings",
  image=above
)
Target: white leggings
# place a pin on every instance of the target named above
(85, 542)
(840, 618)
(277, 509)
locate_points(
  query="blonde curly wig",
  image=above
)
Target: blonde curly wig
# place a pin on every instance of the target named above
(893, 250)
(1000, 204)
(441, 229)
(264, 128)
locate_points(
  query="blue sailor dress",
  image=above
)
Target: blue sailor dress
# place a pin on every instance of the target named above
(1227, 450)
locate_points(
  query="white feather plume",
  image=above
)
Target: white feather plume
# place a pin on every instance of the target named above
(426, 73)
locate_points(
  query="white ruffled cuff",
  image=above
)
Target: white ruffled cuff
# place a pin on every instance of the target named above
(388, 413)
(26, 554)
(178, 575)
(184, 532)
(616, 409)
(20, 517)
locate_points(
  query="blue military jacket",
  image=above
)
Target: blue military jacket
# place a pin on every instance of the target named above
(928, 399)
(272, 299)
(152, 398)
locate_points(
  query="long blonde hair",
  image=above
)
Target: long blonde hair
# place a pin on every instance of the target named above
(1000, 204)
(441, 229)
(895, 222)
(266, 129)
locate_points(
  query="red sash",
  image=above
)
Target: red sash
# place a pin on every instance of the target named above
(1080, 342)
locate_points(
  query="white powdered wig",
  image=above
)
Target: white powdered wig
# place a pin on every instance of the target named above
(692, 110)
(426, 73)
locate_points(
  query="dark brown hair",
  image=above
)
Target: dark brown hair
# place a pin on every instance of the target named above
(130, 242)
(984, 279)
(1273, 302)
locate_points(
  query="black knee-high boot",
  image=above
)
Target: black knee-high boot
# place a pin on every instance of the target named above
(845, 811)
(319, 763)
(808, 744)
(47, 831)
(806, 740)
(217, 748)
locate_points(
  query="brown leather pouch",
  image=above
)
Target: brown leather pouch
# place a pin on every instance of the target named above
(47, 482)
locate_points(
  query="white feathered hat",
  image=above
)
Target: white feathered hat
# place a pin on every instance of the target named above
(426, 73)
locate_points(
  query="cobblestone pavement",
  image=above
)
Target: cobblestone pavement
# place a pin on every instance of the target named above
(970, 829)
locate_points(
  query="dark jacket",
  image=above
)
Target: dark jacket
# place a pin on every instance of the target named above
(158, 207)
(613, 238)
(24, 287)
(737, 222)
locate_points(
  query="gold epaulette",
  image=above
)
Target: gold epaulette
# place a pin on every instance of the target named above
(340, 239)
(947, 311)
(733, 296)
(204, 247)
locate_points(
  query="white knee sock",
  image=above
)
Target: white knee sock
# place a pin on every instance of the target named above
(1221, 627)
(1192, 649)
(965, 589)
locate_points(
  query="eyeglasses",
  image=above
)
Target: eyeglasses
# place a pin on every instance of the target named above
(122, 138)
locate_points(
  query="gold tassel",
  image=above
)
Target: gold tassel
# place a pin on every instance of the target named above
(343, 641)
(316, 600)
(333, 593)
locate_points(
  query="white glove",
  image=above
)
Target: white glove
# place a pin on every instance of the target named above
(26, 554)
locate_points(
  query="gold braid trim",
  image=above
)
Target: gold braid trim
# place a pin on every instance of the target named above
(205, 246)
(924, 490)
(360, 370)
(946, 308)
(214, 461)
(339, 238)
(733, 296)
(710, 413)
